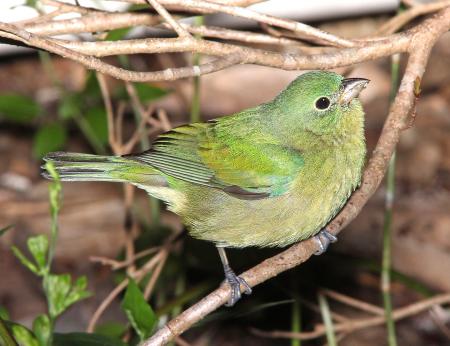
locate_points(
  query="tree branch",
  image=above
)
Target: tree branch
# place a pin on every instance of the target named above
(232, 54)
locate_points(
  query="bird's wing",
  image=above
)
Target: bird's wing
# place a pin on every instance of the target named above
(246, 167)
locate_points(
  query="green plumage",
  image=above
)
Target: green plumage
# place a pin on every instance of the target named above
(267, 176)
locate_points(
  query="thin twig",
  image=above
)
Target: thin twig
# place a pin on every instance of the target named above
(404, 17)
(137, 275)
(155, 275)
(169, 19)
(314, 307)
(358, 324)
(104, 304)
(113, 141)
(115, 265)
(307, 30)
(356, 303)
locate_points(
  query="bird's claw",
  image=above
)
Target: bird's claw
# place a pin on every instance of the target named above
(324, 238)
(235, 283)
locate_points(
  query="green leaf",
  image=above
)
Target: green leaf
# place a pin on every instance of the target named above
(138, 311)
(5, 229)
(98, 122)
(18, 108)
(38, 247)
(23, 336)
(49, 138)
(147, 92)
(70, 106)
(6, 338)
(138, 7)
(117, 34)
(31, 3)
(25, 261)
(4, 314)
(91, 87)
(113, 330)
(61, 294)
(78, 291)
(42, 329)
(84, 339)
(57, 287)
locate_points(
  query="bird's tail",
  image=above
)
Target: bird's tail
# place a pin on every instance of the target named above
(87, 167)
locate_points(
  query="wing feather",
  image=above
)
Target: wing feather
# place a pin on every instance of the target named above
(216, 156)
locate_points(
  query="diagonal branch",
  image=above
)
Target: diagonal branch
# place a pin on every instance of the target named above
(233, 9)
(182, 32)
(307, 30)
(13, 32)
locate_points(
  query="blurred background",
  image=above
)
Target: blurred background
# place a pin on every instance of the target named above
(48, 103)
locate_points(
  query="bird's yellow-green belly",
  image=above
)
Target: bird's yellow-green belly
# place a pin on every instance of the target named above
(316, 195)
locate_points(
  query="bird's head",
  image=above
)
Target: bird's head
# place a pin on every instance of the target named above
(321, 103)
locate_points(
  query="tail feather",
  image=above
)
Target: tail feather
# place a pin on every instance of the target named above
(88, 167)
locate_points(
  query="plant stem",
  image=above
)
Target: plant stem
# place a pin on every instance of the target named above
(195, 104)
(55, 205)
(296, 322)
(326, 316)
(387, 227)
(55, 201)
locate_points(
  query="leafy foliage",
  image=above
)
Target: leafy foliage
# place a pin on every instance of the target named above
(38, 247)
(61, 293)
(48, 138)
(23, 336)
(96, 118)
(18, 108)
(138, 311)
(42, 329)
(5, 229)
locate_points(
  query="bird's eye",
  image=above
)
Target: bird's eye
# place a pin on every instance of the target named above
(323, 103)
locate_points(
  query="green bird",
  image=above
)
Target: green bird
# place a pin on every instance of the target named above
(267, 176)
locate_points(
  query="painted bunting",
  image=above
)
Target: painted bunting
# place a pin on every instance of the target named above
(266, 176)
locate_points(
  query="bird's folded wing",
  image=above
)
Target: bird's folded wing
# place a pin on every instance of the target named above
(246, 167)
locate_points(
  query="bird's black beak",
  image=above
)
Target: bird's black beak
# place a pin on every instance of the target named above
(350, 89)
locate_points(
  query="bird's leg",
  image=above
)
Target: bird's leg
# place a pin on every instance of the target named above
(233, 280)
(324, 238)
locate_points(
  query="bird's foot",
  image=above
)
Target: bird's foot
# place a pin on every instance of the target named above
(324, 238)
(235, 283)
